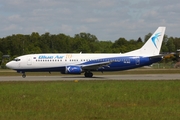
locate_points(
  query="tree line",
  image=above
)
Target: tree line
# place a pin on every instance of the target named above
(19, 44)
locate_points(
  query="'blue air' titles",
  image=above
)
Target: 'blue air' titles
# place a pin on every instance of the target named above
(50, 57)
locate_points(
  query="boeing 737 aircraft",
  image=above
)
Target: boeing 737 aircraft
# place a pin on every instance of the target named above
(68, 63)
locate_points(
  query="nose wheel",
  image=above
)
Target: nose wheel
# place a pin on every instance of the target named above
(23, 75)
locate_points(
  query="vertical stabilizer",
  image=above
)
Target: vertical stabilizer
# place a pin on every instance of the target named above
(153, 45)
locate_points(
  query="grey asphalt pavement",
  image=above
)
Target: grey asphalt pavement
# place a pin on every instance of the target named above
(96, 77)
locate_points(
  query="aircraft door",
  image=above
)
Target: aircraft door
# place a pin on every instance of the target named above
(137, 61)
(29, 60)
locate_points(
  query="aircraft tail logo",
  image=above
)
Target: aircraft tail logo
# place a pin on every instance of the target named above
(155, 39)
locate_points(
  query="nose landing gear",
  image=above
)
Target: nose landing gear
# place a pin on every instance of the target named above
(23, 75)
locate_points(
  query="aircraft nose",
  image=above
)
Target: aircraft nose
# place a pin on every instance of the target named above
(9, 65)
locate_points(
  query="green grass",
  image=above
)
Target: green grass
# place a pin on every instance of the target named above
(89, 100)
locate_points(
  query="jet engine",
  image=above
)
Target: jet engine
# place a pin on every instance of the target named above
(73, 70)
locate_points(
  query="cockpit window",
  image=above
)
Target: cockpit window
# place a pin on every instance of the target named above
(16, 59)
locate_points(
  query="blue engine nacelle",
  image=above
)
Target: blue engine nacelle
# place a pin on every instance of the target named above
(73, 70)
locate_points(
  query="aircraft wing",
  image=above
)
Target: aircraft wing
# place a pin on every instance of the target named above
(95, 66)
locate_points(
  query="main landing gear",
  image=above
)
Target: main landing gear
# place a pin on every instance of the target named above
(88, 74)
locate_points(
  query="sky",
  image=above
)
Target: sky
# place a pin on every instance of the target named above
(106, 19)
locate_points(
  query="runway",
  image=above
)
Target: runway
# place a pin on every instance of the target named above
(96, 77)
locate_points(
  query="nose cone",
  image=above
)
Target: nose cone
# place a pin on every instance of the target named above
(9, 65)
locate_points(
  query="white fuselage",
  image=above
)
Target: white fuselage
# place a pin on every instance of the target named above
(70, 63)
